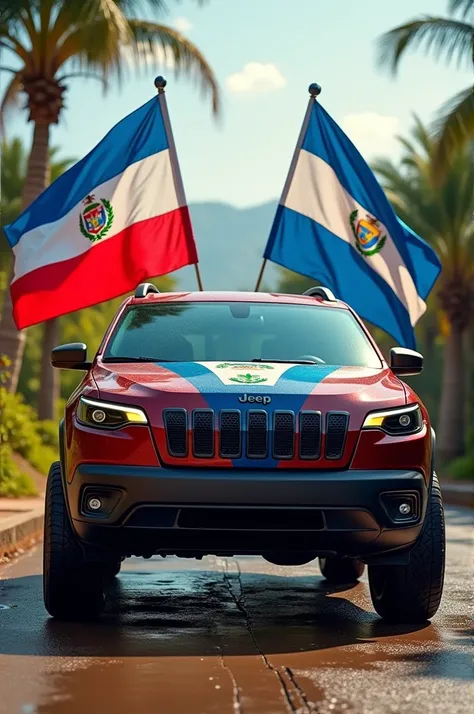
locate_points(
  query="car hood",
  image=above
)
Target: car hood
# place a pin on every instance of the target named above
(217, 385)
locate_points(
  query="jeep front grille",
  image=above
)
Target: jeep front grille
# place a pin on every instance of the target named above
(176, 427)
(231, 435)
(203, 433)
(255, 434)
(310, 435)
(336, 430)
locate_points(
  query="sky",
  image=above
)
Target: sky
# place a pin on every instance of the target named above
(265, 53)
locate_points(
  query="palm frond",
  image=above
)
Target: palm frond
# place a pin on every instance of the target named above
(14, 161)
(85, 75)
(11, 98)
(88, 25)
(463, 6)
(153, 42)
(454, 130)
(440, 35)
(422, 135)
(12, 43)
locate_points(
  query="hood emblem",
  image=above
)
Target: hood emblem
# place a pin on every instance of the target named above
(254, 399)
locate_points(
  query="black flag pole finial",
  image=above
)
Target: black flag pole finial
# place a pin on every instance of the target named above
(160, 84)
(314, 89)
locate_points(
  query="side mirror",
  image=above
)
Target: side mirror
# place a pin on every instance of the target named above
(405, 363)
(72, 356)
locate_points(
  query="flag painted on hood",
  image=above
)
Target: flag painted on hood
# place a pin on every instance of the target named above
(116, 218)
(335, 224)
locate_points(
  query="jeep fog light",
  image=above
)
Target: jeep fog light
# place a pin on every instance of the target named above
(401, 507)
(99, 502)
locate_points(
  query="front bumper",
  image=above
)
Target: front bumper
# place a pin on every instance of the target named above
(195, 512)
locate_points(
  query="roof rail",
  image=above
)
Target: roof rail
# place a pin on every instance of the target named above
(144, 289)
(321, 292)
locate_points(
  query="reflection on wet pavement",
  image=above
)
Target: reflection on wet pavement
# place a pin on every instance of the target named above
(234, 636)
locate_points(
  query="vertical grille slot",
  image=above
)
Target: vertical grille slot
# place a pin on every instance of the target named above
(336, 432)
(203, 433)
(231, 442)
(176, 428)
(257, 434)
(283, 435)
(310, 435)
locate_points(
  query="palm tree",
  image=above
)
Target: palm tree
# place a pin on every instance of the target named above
(54, 41)
(453, 37)
(443, 216)
(13, 173)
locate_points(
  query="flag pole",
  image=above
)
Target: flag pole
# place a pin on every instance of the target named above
(314, 90)
(160, 84)
(260, 275)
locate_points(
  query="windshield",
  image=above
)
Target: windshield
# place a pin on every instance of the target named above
(240, 332)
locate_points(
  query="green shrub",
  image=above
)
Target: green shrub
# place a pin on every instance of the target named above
(461, 468)
(13, 483)
(48, 433)
(36, 441)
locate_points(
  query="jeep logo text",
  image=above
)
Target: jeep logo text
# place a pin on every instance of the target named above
(257, 399)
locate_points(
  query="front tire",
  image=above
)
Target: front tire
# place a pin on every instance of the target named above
(72, 588)
(412, 593)
(341, 571)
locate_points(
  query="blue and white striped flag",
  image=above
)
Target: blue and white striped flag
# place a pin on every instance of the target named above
(335, 224)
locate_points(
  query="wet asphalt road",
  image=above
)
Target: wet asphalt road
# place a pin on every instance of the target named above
(235, 636)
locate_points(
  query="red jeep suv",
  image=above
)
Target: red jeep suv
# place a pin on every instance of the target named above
(244, 423)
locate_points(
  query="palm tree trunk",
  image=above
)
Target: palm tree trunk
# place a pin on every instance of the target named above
(50, 384)
(451, 420)
(13, 341)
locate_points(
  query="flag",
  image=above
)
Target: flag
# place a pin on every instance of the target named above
(335, 224)
(116, 218)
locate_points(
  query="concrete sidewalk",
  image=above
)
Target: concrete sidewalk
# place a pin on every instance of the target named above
(21, 524)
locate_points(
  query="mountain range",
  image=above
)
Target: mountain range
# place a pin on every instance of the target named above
(230, 244)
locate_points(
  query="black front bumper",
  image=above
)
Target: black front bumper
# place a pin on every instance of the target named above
(195, 512)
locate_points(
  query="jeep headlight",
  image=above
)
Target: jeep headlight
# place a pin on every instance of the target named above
(396, 422)
(108, 416)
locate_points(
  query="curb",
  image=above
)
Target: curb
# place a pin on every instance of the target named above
(20, 531)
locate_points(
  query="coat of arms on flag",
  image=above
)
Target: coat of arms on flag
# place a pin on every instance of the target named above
(368, 236)
(96, 219)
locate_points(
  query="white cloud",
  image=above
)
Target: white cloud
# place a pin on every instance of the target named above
(182, 24)
(256, 77)
(157, 59)
(372, 133)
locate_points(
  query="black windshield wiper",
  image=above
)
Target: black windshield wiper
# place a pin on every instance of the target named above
(135, 359)
(284, 361)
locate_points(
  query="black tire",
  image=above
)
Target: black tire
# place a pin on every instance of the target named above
(341, 571)
(412, 593)
(72, 588)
